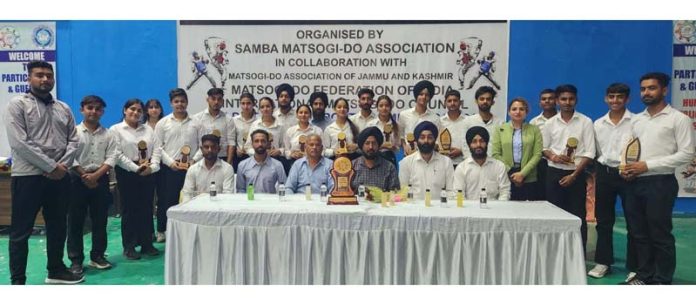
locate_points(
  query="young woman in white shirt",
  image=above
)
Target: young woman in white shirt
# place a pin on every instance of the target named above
(384, 116)
(342, 125)
(293, 149)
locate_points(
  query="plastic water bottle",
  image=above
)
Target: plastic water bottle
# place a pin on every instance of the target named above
(212, 190)
(281, 192)
(427, 198)
(323, 192)
(443, 198)
(308, 192)
(460, 199)
(250, 191)
(361, 193)
(409, 196)
(483, 199)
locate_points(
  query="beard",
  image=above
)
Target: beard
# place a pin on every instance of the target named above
(484, 108)
(649, 101)
(426, 148)
(479, 153)
(365, 106)
(371, 155)
(260, 150)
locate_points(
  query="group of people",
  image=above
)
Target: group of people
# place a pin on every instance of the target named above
(63, 167)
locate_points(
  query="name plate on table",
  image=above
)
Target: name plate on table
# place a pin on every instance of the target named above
(185, 161)
(445, 142)
(630, 154)
(342, 193)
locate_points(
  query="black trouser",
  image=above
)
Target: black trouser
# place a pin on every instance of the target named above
(571, 198)
(136, 208)
(29, 194)
(528, 190)
(649, 214)
(608, 185)
(542, 169)
(173, 182)
(97, 201)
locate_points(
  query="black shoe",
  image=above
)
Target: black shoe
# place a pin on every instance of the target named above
(64, 277)
(149, 251)
(100, 263)
(76, 268)
(131, 254)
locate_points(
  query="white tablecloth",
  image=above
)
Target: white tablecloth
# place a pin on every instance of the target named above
(235, 241)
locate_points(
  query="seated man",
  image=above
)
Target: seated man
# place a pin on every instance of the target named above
(371, 169)
(262, 171)
(312, 169)
(479, 171)
(426, 169)
(201, 174)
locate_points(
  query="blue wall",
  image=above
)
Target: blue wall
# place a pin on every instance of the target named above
(123, 59)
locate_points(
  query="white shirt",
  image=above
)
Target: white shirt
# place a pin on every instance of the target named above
(276, 130)
(95, 148)
(198, 178)
(206, 123)
(408, 119)
(292, 137)
(362, 122)
(666, 140)
(556, 134)
(128, 139)
(173, 134)
(421, 175)
(330, 138)
(394, 137)
(611, 139)
(242, 128)
(476, 120)
(540, 121)
(470, 177)
(286, 120)
(457, 129)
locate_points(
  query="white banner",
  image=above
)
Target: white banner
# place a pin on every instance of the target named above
(684, 91)
(20, 43)
(339, 59)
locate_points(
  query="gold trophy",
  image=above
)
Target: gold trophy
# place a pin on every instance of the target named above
(270, 141)
(342, 146)
(388, 128)
(342, 173)
(571, 146)
(142, 149)
(302, 140)
(630, 153)
(445, 142)
(411, 140)
(185, 161)
(216, 132)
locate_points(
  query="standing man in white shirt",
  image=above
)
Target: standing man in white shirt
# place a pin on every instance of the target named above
(569, 145)
(319, 102)
(666, 143)
(480, 171)
(423, 92)
(215, 121)
(41, 131)
(426, 169)
(174, 132)
(285, 115)
(455, 122)
(366, 98)
(613, 132)
(547, 102)
(485, 99)
(212, 169)
(97, 155)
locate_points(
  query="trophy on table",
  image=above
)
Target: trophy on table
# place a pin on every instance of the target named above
(388, 128)
(411, 140)
(571, 146)
(142, 156)
(302, 140)
(185, 161)
(445, 142)
(342, 145)
(630, 153)
(342, 173)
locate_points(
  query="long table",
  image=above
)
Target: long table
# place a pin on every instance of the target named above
(231, 240)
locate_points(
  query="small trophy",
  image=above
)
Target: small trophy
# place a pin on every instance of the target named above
(216, 132)
(342, 173)
(411, 140)
(185, 162)
(142, 149)
(387, 134)
(302, 140)
(445, 142)
(571, 145)
(630, 154)
(342, 146)
(270, 140)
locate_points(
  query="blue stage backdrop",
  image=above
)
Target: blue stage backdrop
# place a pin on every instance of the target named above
(119, 60)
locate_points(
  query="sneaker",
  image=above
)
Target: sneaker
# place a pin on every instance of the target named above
(149, 251)
(100, 263)
(636, 281)
(76, 268)
(160, 237)
(599, 271)
(630, 277)
(131, 254)
(64, 277)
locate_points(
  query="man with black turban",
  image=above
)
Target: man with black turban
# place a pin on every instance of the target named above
(426, 169)
(423, 92)
(479, 171)
(319, 101)
(371, 169)
(284, 113)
